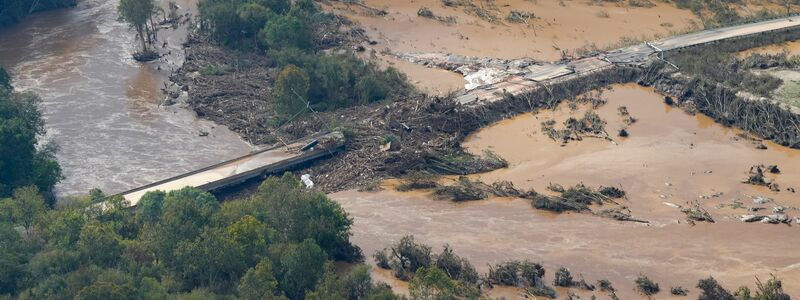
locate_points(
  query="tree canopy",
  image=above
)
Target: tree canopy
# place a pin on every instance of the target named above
(12, 11)
(23, 160)
(277, 244)
(294, 35)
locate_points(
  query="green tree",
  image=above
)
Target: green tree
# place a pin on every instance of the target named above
(22, 163)
(253, 16)
(286, 32)
(251, 238)
(149, 208)
(291, 91)
(329, 287)
(297, 214)
(359, 283)
(12, 258)
(27, 206)
(259, 282)
(430, 283)
(136, 13)
(103, 291)
(5, 79)
(100, 243)
(300, 268)
(151, 289)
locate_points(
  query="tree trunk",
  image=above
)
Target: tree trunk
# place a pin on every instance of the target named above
(142, 38)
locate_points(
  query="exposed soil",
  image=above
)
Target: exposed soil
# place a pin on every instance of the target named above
(555, 30)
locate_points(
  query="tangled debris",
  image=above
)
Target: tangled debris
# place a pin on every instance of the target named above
(428, 13)
(679, 291)
(464, 190)
(697, 213)
(418, 181)
(461, 163)
(524, 274)
(590, 125)
(576, 198)
(620, 215)
(517, 16)
(756, 177)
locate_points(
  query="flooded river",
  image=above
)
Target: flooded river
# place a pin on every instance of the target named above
(670, 156)
(101, 107)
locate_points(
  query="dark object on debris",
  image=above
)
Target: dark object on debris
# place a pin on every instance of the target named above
(668, 100)
(405, 127)
(310, 145)
(774, 169)
(425, 12)
(756, 176)
(612, 192)
(679, 291)
(146, 56)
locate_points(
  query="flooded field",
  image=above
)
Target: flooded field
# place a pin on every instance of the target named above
(101, 107)
(670, 156)
(558, 27)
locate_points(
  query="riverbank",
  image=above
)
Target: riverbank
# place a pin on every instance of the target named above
(15, 11)
(101, 107)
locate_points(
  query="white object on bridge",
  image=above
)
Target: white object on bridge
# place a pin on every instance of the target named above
(483, 77)
(306, 179)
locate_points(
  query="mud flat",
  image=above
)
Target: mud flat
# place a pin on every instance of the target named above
(555, 29)
(670, 156)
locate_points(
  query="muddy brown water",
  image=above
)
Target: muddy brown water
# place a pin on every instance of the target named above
(101, 107)
(559, 26)
(670, 156)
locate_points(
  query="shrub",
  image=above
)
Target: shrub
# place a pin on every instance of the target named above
(563, 278)
(291, 91)
(646, 286)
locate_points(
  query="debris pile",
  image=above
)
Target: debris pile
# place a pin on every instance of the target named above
(756, 176)
(697, 213)
(464, 190)
(428, 13)
(517, 16)
(590, 125)
(576, 198)
(417, 181)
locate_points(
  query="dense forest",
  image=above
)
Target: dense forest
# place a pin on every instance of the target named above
(23, 160)
(12, 11)
(278, 243)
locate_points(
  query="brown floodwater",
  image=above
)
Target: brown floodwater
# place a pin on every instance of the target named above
(574, 25)
(790, 48)
(101, 107)
(670, 156)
